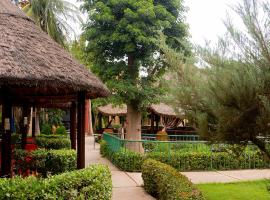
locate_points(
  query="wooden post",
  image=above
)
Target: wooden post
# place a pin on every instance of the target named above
(34, 122)
(99, 121)
(6, 139)
(24, 126)
(87, 124)
(81, 131)
(152, 123)
(73, 125)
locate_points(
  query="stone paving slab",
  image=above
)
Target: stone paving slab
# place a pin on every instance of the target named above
(137, 177)
(130, 193)
(227, 176)
(121, 179)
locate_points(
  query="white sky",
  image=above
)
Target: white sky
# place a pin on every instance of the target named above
(204, 18)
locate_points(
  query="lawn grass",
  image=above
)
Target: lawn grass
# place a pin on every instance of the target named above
(252, 190)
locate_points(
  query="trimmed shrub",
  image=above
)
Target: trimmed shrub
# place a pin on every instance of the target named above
(92, 183)
(61, 130)
(185, 161)
(124, 159)
(45, 162)
(53, 142)
(46, 129)
(166, 183)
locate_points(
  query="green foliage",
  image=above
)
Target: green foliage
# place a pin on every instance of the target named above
(54, 17)
(61, 130)
(46, 129)
(189, 160)
(93, 183)
(228, 100)
(253, 190)
(166, 183)
(124, 159)
(45, 162)
(53, 142)
(55, 116)
(122, 39)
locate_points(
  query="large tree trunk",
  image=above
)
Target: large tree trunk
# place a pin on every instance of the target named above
(134, 129)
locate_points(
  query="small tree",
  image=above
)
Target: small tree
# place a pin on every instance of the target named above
(229, 99)
(122, 35)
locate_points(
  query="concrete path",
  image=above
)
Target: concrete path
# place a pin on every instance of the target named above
(228, 176)
(126, 186)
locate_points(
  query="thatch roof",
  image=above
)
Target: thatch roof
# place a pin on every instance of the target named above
(33, 64)
(159, 109)
(163, 110)
(112, 110)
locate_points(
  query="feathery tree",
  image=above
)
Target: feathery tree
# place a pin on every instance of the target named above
(122, 36)
(229, 99)
(55, 17)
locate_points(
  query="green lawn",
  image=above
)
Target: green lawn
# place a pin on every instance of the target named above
(253, 190)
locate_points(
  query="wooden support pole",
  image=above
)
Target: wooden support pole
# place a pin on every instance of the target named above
(73, 125)
(152, 123)
(81, 131)
(99, 121)
(6, 139)
(24, 125)
(34, 122)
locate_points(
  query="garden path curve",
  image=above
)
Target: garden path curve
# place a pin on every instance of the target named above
(126, 186)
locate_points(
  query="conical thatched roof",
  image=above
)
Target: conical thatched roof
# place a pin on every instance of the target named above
(163, 110)
(31, 62)
(112, 110)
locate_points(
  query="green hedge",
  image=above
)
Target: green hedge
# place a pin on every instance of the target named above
(185, 161)
(92, 183)
(124, 159)
(166, 183)
(45, 161)
(53, 142)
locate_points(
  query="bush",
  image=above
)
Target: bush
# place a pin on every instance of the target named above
(166, 183)
(93, 183)
(53, 142)
(185, 161)
(61, 130)
(46, 129)
(45, 162)
(124, 159)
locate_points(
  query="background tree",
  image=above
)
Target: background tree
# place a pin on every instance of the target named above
(55, 17)
(122, 36)
(229, 99)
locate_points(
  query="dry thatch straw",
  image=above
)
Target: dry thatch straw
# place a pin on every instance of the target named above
(163, 110)
(30, 61)
(111, 110)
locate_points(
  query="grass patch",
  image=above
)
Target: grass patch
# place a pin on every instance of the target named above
(252, 190)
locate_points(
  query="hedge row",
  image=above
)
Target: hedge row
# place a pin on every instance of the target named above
(45, 161)
(186, 161)
(92, 183)
(53, 142)
(166, 183)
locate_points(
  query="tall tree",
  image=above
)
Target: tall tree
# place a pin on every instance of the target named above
(122, 36)
(55, 17)
(229, 99)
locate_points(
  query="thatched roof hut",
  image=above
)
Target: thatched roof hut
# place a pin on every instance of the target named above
(36, 71)
(163, 110)
(112, 110)
(31, 63)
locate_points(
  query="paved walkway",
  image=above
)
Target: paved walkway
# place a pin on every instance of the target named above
(228, 176)
(126, 186)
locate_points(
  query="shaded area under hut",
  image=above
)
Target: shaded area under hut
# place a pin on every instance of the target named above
(36, 72)
(160, 116)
